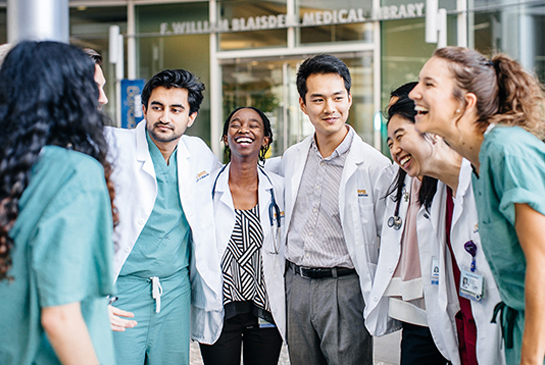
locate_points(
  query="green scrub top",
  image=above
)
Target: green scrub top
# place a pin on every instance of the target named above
(63, 254)
(512, 171)
(162, 249)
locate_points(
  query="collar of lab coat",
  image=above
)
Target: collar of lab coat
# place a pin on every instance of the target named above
(223, 192)
(142, 149)
(464, 185)
(354, 158)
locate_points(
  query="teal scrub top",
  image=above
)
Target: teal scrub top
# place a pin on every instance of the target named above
(62, 254)
(162, 249)
(512, 170)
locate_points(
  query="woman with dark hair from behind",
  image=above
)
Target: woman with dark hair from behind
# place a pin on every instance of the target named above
(492, 113)
(248, 209)
(55, 210)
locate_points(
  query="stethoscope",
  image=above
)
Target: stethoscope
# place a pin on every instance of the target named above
(274, 211)
(395, 221)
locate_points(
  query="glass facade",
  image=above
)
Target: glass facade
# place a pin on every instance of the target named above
(247, 52)
(89, 28)
(339, 21)
(190, 52)
(254, 15)
(512, 27)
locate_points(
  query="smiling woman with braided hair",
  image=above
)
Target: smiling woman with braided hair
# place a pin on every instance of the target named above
(55, 210)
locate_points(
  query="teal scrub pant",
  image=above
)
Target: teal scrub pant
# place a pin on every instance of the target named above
(158, 338)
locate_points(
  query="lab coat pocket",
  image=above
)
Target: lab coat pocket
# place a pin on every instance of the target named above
(366, 212)
(367, 217)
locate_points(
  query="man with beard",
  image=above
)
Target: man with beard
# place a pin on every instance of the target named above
(165, 228)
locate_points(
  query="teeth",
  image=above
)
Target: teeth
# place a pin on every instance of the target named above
(420, 109)
(244, 140)
(404, 160)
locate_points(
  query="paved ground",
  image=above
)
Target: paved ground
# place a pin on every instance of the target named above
(386, 351)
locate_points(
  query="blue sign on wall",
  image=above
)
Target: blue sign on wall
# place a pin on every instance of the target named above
(131, 102)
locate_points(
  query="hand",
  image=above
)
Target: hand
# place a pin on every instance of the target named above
(116, 322)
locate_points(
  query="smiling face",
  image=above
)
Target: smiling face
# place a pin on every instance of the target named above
(438, 110)
(245, 134)
(327, 104)
(167, 115)
(409, 149)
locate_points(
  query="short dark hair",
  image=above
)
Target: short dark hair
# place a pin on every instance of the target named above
(95, 56)
(178, 78)
(321, 64)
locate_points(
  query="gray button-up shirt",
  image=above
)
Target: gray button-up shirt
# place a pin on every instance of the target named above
(315, 236)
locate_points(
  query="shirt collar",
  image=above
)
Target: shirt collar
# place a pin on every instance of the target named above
(341, 149)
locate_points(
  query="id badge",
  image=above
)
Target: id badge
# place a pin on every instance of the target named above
(471, 285)
(264, 324)
(434, 271)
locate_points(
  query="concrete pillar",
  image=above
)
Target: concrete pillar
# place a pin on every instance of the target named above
(37, 20)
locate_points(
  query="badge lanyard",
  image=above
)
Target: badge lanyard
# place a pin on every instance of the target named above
(471, 282)
(471, 248)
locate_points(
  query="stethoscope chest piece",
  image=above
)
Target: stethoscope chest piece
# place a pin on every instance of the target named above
(395, 222)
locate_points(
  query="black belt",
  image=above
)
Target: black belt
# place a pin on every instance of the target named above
(317, 272)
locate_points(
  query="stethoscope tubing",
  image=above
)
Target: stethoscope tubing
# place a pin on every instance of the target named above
(274, 209)
(395, 221)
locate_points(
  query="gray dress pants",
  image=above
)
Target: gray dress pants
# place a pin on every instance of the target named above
(325, 321)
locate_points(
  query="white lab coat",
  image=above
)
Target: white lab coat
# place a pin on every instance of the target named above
(208, 324)
(440, 317)
(365, 179)
(377, 320)
(440, 299)
(465, 228)
(136, 190)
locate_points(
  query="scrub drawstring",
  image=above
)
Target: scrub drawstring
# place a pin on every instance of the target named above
(156, 292)
(507, 324)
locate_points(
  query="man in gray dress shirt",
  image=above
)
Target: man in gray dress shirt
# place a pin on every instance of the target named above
(335, 189)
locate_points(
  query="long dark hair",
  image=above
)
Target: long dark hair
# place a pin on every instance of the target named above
(267, 131)
(48, 96)
(404, 108)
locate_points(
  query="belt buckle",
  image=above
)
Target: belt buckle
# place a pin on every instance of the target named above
(303, 270)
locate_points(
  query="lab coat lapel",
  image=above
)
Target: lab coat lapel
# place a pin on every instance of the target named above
(464, 181)
(297, 172)
(264, 196)
(142, 149)
(222, 191)
(224, 209)
(185, 185)
(353, 161)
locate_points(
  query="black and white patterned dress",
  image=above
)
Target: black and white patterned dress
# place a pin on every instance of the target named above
(242, 264)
